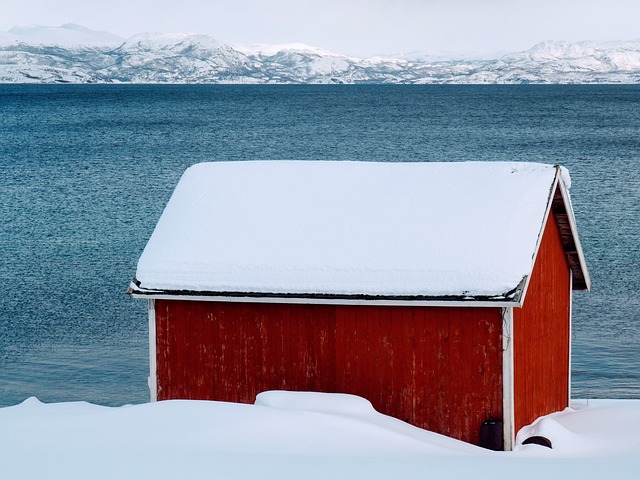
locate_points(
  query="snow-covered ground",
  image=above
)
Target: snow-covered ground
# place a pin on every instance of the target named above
(302, 436)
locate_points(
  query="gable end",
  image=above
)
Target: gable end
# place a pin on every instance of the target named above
(571, 244)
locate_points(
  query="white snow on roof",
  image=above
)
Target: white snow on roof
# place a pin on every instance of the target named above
(291, 435)
(350, 228)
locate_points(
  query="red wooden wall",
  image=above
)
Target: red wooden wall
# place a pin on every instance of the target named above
(541, 334)
(437, 368)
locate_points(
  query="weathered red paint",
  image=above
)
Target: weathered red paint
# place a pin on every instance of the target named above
(541, 333)
(436, 368)
(439, 368)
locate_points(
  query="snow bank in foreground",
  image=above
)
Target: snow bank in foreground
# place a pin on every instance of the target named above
(301, 436)
(338, 403)
(590, 429)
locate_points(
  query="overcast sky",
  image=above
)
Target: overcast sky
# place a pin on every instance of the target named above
(356, 27)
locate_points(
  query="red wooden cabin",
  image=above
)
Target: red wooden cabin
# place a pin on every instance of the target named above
(441, 292)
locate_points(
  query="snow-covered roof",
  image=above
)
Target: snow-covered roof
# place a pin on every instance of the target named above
(357, 231)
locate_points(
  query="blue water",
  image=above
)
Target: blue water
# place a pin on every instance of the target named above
(86, 171)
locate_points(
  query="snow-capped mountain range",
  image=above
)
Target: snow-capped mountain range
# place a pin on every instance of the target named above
(75, 54)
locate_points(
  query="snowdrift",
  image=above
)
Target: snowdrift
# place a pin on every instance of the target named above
(300, 435)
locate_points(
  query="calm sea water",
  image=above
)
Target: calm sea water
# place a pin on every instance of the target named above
(87, 170)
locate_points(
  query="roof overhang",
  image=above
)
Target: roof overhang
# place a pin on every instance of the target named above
(559, 205)
(509, 299)
(563, 213)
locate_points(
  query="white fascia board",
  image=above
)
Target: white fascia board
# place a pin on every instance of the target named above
(570, 330)
(329, 301)
(574, 234)
(508, 409)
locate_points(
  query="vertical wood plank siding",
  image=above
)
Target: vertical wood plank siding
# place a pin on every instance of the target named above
(437, 368)
(541, 334)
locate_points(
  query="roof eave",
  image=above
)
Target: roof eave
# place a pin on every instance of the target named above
(563, 212)
(509, 299)
(559, 204)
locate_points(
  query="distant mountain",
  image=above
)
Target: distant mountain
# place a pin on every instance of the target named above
(69, 36)
(74, 54)
(563, 62)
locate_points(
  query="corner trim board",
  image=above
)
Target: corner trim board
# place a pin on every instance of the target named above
(570, 339)
(508, 412)
(153, 373)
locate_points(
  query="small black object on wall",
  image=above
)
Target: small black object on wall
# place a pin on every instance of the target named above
(492, 435)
